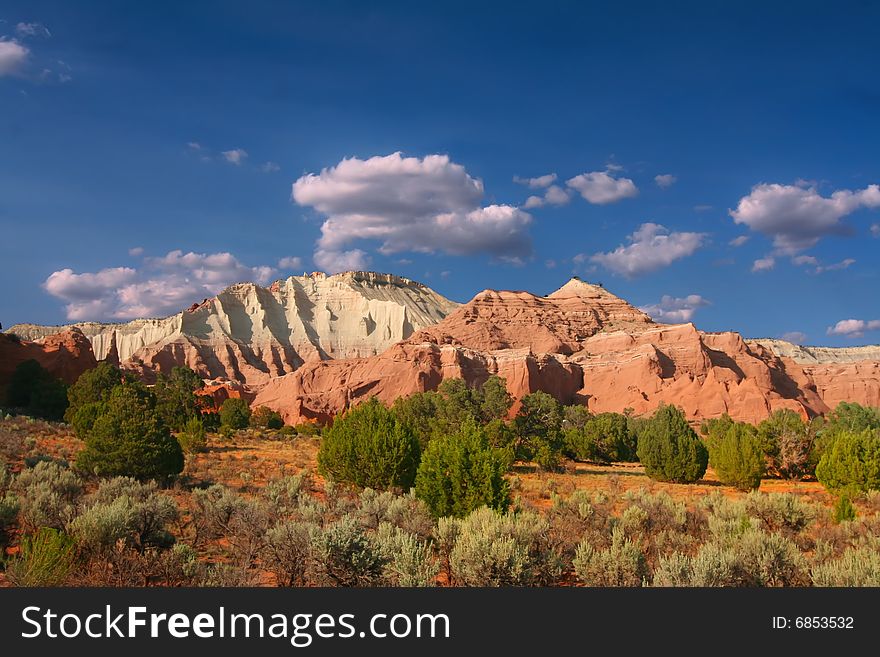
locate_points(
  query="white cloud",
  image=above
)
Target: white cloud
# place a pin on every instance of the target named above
(270, 167)
(854, 328)
(651, 247)
(797, 217)
(554, 195)
(675, 310)
(424, 205)
(136, 251)
(25, 30)
(764, 264)
(665, 180)
(536, 183)
(601, 188)
(291, 262)
(811, 261)
(875, 230)
(161, 286)
(236, 156)
(13, 55)
(796, 337)
(194, 145)
(802, 260)
(739, 241)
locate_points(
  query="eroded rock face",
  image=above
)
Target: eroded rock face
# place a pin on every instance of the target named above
(65, 355)
(581, 344)
(251, 334)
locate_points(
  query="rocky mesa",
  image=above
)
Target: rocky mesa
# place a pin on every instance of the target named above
(314, 345)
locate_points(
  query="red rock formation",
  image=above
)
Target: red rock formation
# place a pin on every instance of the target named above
(65, 355)
(579, 343)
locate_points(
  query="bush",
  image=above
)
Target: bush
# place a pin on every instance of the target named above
(493, 549)
(123, 509)
(461, 473)
(8, 513)
(87, 396)
(623, 564)
(844, 510)
(406, 512)
(737, 457)
(409, 560)
(176, 399)
(193, 438)
(346, 555)
(370, 447)
(602, 439)
(36, 392)
(779, 512)
(283, 494)
(235, 413)
(45, 559)
(129, 439)
(538, 430)
(856, 567)
(47, 495)
(288, 551)
(753, 558)
(670, 450)
(263, 417)
(851, 462)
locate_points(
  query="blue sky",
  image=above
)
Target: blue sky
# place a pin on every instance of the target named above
(151, 153)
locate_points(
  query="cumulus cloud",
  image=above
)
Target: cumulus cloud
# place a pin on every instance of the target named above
(675, 310)
(601, 187)
(854, 328)
(554, 195)
(415, 204)
(665, 180)
(651, 247)
(764, 264)
(796, 217)
(161, 286)
(538, 182)
(13, 56)
(796, 337)
(739, 241)
(236, 156)
(291, 262)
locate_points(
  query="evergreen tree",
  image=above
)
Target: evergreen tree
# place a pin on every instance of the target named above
(670, 450)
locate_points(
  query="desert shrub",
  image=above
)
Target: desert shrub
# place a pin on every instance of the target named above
(193, 438)
(409, 560)
(737, 457)
(494, 549)
(176, 399)
(8, 513)
(462, 472)
(35, 391)
(851, 462)
(538, 430)
(5, 475)
(44, 559)
(670, 450)
(370, 447)
(265, 418)
(88, 394)
(780, 512)
(215, 508)
(346, 556)
(575, 416)
(288, 551)
(752, 558)
(226, 575)
(622, 564)
(406, 512)
(844, 511)
(283, 494)
(581, 517)
(123, 509)
(603, 438)
(856, 567)
(235, 413)
(129, 439)
(47, 495)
